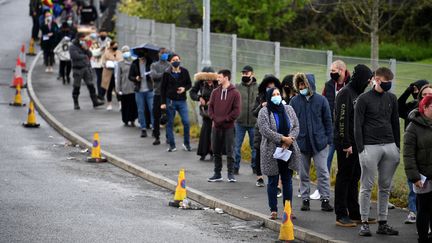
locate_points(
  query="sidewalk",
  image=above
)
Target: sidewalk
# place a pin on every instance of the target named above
(126, 143)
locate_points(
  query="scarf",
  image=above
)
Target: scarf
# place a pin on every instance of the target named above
(282, 121)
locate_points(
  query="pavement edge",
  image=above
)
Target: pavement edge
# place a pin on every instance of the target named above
(159, 180)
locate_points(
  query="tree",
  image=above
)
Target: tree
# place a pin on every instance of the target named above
(367, 16)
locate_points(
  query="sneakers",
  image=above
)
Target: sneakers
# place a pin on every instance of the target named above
(215, 178)
(171, 149)
(411, 218)
(385, 229)
(315, 195)
(279, 194)
(345, 222)
(109, 107)
(260, 182)
(305, 205)
(231, 178)
(187, 148)
(156, 141)
(391, 205)
(143, 133)
(325, 206)
(364, 230)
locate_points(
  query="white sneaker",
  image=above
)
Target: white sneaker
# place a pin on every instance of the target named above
(316, 195)
(109, 107)
(47, 70)
(411, 218)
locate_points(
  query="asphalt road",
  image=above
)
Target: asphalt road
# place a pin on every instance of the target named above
(49, 194)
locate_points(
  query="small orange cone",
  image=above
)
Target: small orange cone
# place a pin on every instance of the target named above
(17, 99)
(23, 58)
(18, 79)
(96, 151)
(287, 228)
(32, 51)
(31, 118)
(180, 192)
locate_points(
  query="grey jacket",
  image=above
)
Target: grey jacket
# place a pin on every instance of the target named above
(80, 57)
(157, 70)
(271, 139)
(122, 83)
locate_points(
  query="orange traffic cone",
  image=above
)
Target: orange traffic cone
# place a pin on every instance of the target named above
(18, 79)
(287, 228)
(23, 58)
(17, 99)
(32, 51)
(31, 118)
(180, 192)
(96, 151)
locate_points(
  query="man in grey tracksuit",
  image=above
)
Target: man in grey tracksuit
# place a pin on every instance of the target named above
(377, 136)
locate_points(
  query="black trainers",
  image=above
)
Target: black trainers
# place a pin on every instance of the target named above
(325, 206)
(385, 229)
(236, 171)
(305, 205)
(345, 222)
(171, 149)
(215, 178)
(187, 147)
(260, 182)
(156, 141)
(231, 178)
(364, 230)
(143, 133)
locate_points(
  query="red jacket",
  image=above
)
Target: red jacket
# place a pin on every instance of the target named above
(224, 106)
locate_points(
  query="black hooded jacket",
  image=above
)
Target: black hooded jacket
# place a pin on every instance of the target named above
(405, 107)
(344, 107)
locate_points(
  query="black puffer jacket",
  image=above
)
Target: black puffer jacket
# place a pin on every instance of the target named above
(80, 57)
(417, 150)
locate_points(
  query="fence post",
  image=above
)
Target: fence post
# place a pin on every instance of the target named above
(277, 59)
(172, 37)
(329, 62)
(233, 57)
(152, 31)
(393, 69)
(199, 50)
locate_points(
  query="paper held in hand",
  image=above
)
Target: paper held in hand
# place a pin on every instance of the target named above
(282, 154)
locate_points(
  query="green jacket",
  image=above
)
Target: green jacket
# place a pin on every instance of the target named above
(248, 95)
(418, 147)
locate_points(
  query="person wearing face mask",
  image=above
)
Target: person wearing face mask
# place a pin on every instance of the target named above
(279, 127)
(316, 134)
(248, 89)
(103, 39)
(62, 52)
(69, 15)
(426, 90)
(110, 58)
(67, 30)
(347, 208)
(35, 7)
(80, 56)
(96, 64)
(157, 70)
(88, 13)
(175, 82)
(267, 83)
(224, 108)
(418, 163)
(377, 136)
(125, 88)
(49, 41)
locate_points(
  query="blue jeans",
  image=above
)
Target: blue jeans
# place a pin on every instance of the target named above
(182, 108)
(240, 132)
(412, 203)
(287, 191)
(330, 157)
(144, 99)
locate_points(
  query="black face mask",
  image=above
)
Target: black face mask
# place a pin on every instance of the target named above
(246, 79)
(103, 38)
(334, 76)
(287, 90)
(115, 48)
(415, 95)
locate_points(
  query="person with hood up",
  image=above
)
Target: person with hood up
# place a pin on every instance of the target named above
(62, 52)
(288, 91)
(125, 88)
(377, 136)
(246, 121)
(224, 109)
(205, 83)
(316, 134)
(268, 82)
(279, 127)
(405, 108)
(418, 163)
(80, 56)
(346, 206)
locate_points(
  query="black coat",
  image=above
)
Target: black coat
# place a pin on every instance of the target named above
(49, 42)
(170, 84)
(80, 57)
(202, 89)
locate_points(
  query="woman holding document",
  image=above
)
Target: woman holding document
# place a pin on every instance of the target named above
(418, 163)
(279, 128)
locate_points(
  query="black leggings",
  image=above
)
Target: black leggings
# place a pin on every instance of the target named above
(48, 57)
(65, 69)
(110, 89)
(424, 215)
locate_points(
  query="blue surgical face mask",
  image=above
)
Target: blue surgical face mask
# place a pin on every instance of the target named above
(82, 42)
(386, 86)
(164, 57)
(126, 55)
(304, 91)
(276, 99)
